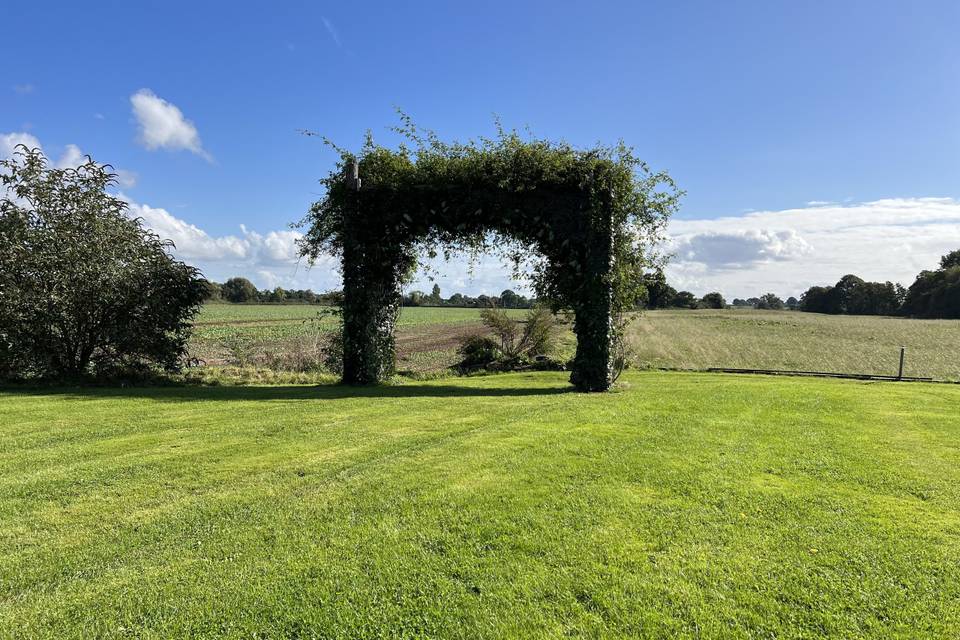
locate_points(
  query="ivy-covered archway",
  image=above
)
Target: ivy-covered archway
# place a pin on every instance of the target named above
(580, 224)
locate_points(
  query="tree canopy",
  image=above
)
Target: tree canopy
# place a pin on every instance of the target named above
(936, 294)
(83, 287)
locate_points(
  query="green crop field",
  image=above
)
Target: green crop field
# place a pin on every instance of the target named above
(291, 336)
(681, 505)
(292, 314)
(286, 336)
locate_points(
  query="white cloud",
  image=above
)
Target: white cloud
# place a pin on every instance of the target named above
(9, 142)
(23, 89)
(73, 157)
(126, 179)
(780, 251)
(269, 259)
(487, 275)
(790, 250)
(740, 248)
(163, 126)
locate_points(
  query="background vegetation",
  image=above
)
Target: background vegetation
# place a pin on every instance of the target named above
(428, 338)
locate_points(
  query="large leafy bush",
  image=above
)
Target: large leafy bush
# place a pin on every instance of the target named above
(84, 288)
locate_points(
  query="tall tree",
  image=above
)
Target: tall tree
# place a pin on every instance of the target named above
(239, 290)
(769, 301)
(936, 294)
(713, 300)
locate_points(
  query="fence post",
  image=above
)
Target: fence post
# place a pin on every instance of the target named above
(900, 374)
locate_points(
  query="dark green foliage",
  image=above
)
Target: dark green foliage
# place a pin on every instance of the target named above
(211, 291)
(713, 300)
(333, 352)
(936, 294)
(579, 224)
(854, 296)
(685, 300)
(656, 293)
(816, 300)
(769, 301)
(83, 287)
(478, 352)
(510, 300)
(239, 290)
(515, 344)
(952, 259)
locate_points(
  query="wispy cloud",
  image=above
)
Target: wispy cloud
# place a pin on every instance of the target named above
(163, 125)
(23, 89)
(332, 30)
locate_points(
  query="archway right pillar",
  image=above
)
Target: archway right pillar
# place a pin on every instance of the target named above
(593, 366)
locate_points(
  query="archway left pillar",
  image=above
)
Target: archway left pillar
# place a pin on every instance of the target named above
(371, 294)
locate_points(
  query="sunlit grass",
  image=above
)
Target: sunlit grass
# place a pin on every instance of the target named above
(691, 505)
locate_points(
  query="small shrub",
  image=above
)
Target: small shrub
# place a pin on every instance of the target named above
(540, 333)
(478, 351)
(515, 344)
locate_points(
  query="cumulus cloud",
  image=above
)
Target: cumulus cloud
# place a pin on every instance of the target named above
(72, 157)
(269, 259)
(741, 248)
(787, 251)
(486, 275)
(163, 125)
(9, 142)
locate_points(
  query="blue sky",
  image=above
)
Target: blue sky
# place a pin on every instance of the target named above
(812, 138)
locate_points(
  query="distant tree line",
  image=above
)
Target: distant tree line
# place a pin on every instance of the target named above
(658, 294)
(241, 290)
(934, 294)
(854, 296)
(507, 299)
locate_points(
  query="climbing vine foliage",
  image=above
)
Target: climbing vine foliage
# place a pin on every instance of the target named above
(580, 225)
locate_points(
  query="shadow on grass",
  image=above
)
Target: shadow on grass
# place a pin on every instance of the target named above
(180, 393)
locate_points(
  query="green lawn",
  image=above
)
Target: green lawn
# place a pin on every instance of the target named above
(683, 504)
